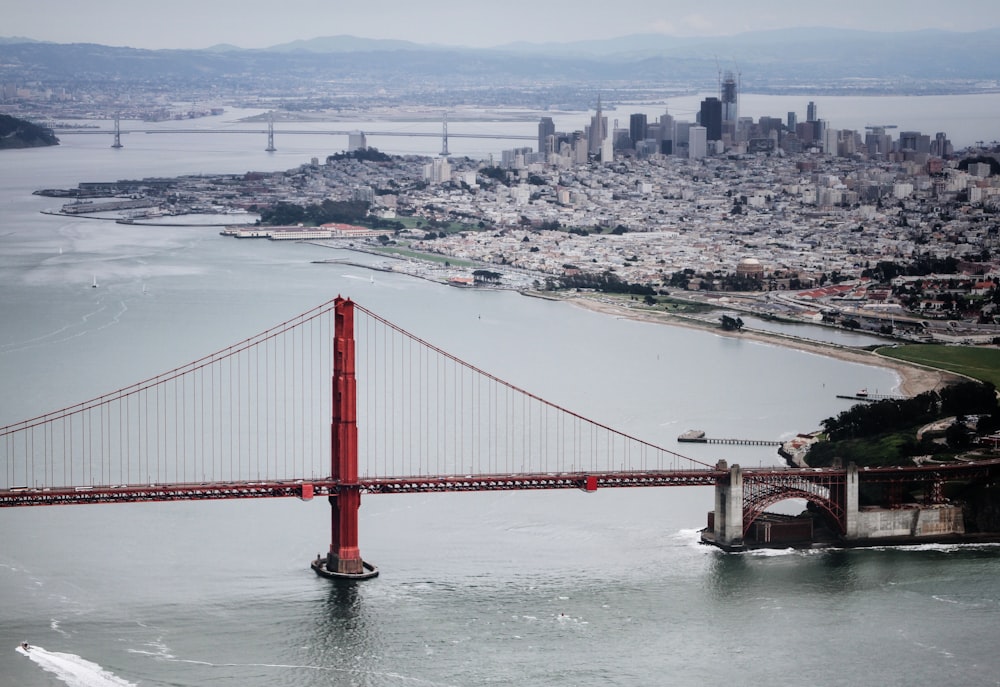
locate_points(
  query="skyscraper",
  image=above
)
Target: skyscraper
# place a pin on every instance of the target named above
(666, 133)
(730, 108)
(598, 130)
(546, 128)
(831, 139)
(811, 112)
(637, 128)
(711, 118)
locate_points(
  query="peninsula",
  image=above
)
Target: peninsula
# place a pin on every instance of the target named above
(20, 133)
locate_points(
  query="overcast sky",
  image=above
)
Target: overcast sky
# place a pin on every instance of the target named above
(479, 23)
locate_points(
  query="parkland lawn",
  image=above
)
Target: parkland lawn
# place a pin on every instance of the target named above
(979, 363)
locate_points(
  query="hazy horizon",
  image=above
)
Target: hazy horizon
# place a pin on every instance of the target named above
(187, 24)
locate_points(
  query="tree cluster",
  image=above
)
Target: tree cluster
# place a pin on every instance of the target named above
(867, 419)
(886, 270)
(486, 277)
(731, 324)
(885, 431)
(606, 282)
(988, 159)
(337, 211)
(496, 173)
(361, 154)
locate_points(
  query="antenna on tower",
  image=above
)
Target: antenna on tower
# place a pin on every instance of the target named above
(718, 69)
(444, 135)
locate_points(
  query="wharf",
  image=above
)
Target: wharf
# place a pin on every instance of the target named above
(697, 436)
(871, 398)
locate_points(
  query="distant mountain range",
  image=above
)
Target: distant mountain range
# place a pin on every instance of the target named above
(767, 61)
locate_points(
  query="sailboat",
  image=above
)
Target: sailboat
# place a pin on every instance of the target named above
(94, 285)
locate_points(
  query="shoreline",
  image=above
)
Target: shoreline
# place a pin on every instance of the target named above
(913, 379)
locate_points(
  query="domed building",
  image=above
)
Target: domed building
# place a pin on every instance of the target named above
(750, 268)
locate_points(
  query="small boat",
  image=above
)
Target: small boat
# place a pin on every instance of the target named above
(25, 646)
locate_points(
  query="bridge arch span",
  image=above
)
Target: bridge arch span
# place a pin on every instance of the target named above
(825, 505)
(822, 491)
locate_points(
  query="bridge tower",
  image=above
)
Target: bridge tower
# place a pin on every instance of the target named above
(344, 558)
(729, 507)
(118, 132)
(270, 134)
(444, 136)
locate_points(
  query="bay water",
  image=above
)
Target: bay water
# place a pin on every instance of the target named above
(540, 588)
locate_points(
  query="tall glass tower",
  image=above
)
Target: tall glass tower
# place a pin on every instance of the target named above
(728, 96)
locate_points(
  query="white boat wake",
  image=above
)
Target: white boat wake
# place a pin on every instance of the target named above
(74, 670)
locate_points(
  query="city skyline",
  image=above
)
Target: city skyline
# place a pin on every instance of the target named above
(185, 24)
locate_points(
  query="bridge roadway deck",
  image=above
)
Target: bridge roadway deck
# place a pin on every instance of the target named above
(587, 481)
(22, 496)
(310, 132)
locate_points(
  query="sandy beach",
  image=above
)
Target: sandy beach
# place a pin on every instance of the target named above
(914, 379)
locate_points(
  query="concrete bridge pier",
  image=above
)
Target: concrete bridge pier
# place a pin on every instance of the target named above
(729, 508)
(851, 525)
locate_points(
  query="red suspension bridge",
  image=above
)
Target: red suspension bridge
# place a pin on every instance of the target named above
(282, 414)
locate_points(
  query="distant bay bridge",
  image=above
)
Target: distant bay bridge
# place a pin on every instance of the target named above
(270, 132)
